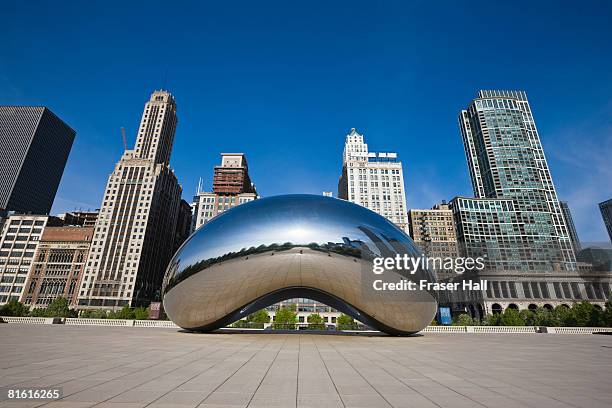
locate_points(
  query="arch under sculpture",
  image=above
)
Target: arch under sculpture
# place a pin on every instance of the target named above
(283, 247)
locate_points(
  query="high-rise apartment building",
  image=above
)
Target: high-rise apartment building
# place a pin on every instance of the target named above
(506, 162)
(373, 180)
(495, 230)
(606, 213)
(21, 235)
(571, 227)
(58, 266)
(434, 232)
(232, 186)
(135, 230)
(34, 148)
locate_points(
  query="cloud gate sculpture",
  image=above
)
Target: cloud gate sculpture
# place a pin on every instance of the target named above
(283, 247)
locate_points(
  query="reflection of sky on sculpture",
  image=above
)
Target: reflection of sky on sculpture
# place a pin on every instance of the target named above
(299, 219)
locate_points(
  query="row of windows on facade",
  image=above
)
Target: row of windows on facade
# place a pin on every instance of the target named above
(363, 171)
(15, 254)
(17, 245)
(364, 167)
(502, 103)
(386, 193)
(558, 290)
(225, 199)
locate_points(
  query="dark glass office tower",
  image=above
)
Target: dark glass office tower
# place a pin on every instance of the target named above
(506, 161)
(606, 213)
(34, 148)
(571, 227)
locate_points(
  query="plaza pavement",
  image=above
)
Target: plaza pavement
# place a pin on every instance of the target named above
(138, 367)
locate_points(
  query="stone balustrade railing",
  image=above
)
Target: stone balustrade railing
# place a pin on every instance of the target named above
(429, 329)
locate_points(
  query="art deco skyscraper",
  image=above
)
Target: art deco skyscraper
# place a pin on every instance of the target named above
(34, 148)
(506, 161)
(135, 231)
(373, 180)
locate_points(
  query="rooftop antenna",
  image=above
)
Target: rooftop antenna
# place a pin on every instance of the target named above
(124, 138)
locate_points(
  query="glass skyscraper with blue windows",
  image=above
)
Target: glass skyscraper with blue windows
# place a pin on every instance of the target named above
(506, 162)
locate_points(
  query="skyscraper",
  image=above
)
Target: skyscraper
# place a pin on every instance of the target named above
(506, 161)
(232, 186)
(34, 148)
(135, 230)
(571, 227)
(606, 213)
(373, 180)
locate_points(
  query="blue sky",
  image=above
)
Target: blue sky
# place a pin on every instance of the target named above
(285, 81)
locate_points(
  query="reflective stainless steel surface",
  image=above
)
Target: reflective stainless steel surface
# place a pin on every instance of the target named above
(291, 246)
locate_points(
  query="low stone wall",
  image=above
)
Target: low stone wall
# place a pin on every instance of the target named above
(155, 323)
(444, 329)
(26, 320)
(166, 324)
(579, 330)
(97, 322)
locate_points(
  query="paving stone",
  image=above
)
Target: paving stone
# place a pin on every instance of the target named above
(125, 367)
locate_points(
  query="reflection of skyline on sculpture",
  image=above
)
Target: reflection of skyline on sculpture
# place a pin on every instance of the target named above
(282, 247)
(292, 228)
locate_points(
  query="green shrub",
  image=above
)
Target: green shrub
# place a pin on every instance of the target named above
(345, 322)
(260, 316)
(463, 320)
(141, 313)
(285, 318)
(315, 322)
(527, 316)
(511, 317)
(14, 308)
(94, 314)
(60, 307)
(493, 319)
(586, 314)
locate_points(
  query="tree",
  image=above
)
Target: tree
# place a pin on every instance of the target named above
(124, 313)
(463, 320)
(544, 317)
(511, 317)
(94, 314)
(38, 312)
(14, 308)
(315, 322)
(493, 319)
(528, 318)
(586, 314)
(141, 313)
(59, 307)
(285, 318)
(241, 324)
(260, 316)
(345, 322)
(564, 316)
(607, 314)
